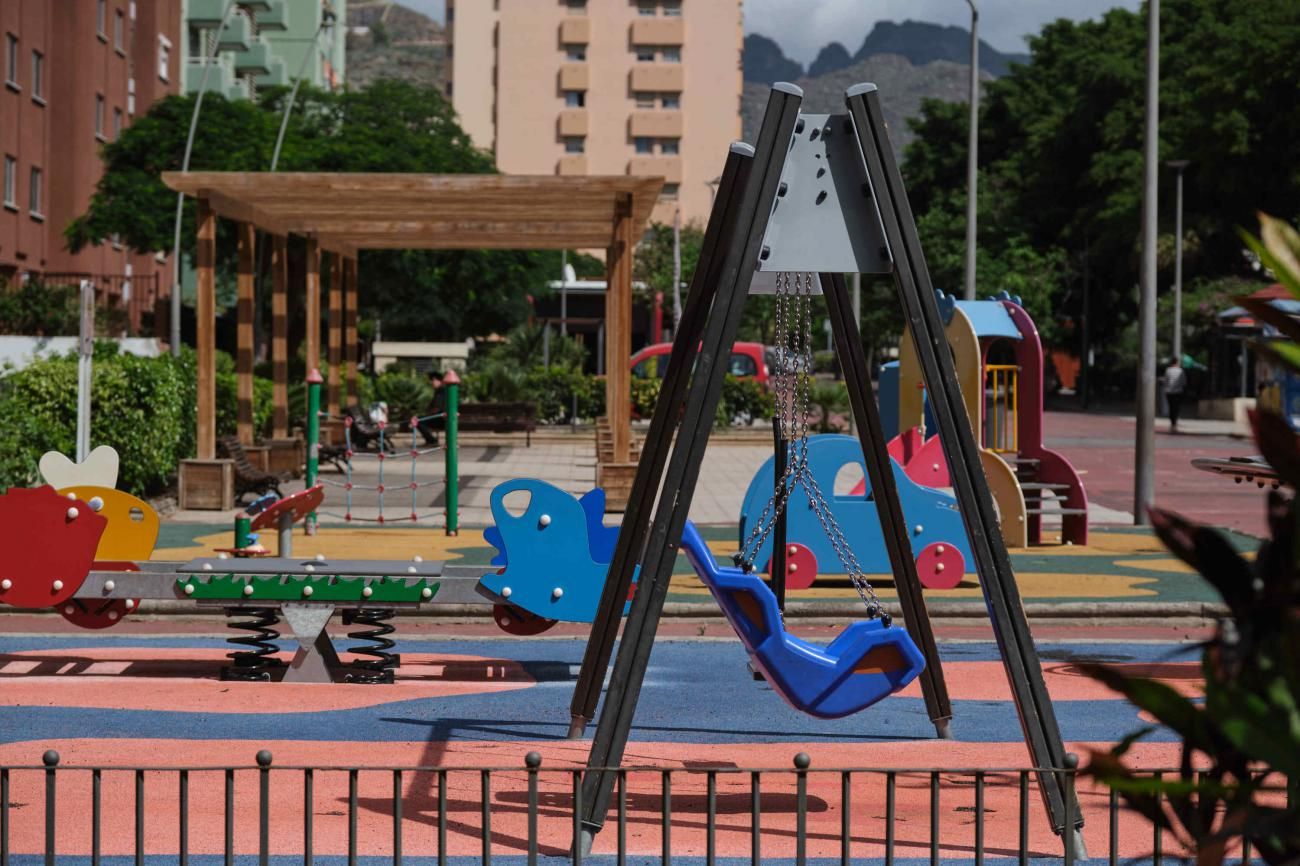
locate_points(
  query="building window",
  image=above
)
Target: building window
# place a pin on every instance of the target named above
(673, 8)
(672, 101)
(11, 60)
(645, 54)
(575, 99)
(117, 123)
(645, 146)
(575, 144)
(164, 58)
(34, 194)
(577, 7)
(101, 19)
(670, 54)
(669, 191)
(670, 146)
(575, 53)
(11, 183)
(99, 117)
(644, 100)
(119, 31)
(646, 8)
(38, 76)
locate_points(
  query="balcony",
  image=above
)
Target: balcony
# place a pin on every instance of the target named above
(574, 76)
(275, 18)
(575, 31)
(255, 61)
(220, 78)
(660, 77)
(277, 76)
(667, 167)
(256, 6)
(571, 165)
(658, 31)
(573, 121)
(238, 90)
(205, 14)
(655, 124)
(238, 34)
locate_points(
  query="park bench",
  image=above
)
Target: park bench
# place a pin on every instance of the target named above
(499, 418)
(248, 478)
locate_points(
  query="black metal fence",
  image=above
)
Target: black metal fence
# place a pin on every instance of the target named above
(523, 813)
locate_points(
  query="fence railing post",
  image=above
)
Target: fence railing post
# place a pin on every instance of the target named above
(314, 381)
(51, 761)
(452, 383)
(801, 763)
(264, 807)
(532, 761)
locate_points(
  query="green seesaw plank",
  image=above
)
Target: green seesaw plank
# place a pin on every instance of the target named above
(299, 587)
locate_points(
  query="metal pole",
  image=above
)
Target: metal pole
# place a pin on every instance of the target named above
(314, 381)
(677, 269)
(208, 57)
(85, 355)
(326, 20)
(1178, 165)
(1144, 470)
(857, 335)
(452, 383)
(564, 293)
(972, 151)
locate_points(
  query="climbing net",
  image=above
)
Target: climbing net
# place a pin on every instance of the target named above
(387, 451)
(792, 381)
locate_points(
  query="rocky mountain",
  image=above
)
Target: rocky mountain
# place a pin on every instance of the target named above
(902, 87)
(832, 57)
(388, 40)
(765, 62)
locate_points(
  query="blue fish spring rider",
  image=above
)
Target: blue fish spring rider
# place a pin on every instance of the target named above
(871, 659)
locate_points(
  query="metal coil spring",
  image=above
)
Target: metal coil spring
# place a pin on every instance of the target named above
(257, 662)
(382, 664)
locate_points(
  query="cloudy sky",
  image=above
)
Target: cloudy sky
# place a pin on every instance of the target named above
(802, 27)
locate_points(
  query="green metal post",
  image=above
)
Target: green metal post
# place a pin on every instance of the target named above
(452, 383)
(243, 529)
(314, 381)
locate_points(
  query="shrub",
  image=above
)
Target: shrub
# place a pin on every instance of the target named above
(408, 395)
(645, 393)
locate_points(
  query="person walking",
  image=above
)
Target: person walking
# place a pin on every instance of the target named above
(434, 419)
(1175, 391)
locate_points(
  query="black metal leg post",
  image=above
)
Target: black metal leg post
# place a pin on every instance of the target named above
(916, 292)
(781, 456)
(658, 443)
(742, 247)
(893, 523)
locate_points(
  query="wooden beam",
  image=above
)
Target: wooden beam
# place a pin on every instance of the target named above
(618, 332)
(350, 329)
(335, 262)
(205, 314)
(280, 336)
(595, 240)
(247, 234)
(313, 305)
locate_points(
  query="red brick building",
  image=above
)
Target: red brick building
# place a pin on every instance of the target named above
(74, 74)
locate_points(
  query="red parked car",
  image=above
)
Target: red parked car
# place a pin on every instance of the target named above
(747, 361)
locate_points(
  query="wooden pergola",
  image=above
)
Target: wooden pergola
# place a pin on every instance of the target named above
(340, 214)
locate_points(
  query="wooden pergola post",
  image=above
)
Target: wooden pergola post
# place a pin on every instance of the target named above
(244, 331)
(618, 332)
(280, 336)
(313, 304)
(205, 315)
(335, 334)
(350, 329)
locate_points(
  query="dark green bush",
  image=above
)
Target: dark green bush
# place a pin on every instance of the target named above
(408, 394)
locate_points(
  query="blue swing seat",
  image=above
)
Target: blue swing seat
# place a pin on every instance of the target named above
(867, 662)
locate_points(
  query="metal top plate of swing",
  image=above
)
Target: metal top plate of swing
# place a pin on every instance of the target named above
(826, 219)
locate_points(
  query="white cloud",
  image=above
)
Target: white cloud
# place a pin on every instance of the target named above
(802, 27)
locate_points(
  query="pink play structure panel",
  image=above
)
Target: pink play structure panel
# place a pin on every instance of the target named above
(299, 504)
(940, 566)
(800, 566)
(49, 547)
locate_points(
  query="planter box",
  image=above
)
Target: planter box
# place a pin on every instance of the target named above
(259, 456)
(616, 479)
(286, 455)
(207, 485)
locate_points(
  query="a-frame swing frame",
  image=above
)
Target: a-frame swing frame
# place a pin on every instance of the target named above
(755, 183)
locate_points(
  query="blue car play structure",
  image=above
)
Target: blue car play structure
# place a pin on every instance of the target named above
(932, 515)
(554, 557)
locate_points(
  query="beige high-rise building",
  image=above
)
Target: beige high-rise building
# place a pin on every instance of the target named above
(644, 87)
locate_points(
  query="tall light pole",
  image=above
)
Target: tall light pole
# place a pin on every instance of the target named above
(972, 151)
(1144, 474)
(1178, 165)
(208, 56)
(326, 20)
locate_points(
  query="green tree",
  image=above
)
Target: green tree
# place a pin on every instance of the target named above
(390, 126)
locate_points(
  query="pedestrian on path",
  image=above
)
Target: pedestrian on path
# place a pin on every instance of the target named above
(434, 420)
(1175, 390)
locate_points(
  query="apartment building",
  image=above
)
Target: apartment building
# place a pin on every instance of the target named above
(643, 87)
(76, 72)
(265, 43)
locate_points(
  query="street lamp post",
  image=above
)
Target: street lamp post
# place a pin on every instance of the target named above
(208, 56)
(972, 152)
(1178, 165)
(326, 20)
(1144, 471)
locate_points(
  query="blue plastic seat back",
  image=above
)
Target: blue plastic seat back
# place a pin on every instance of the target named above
(867, 662)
